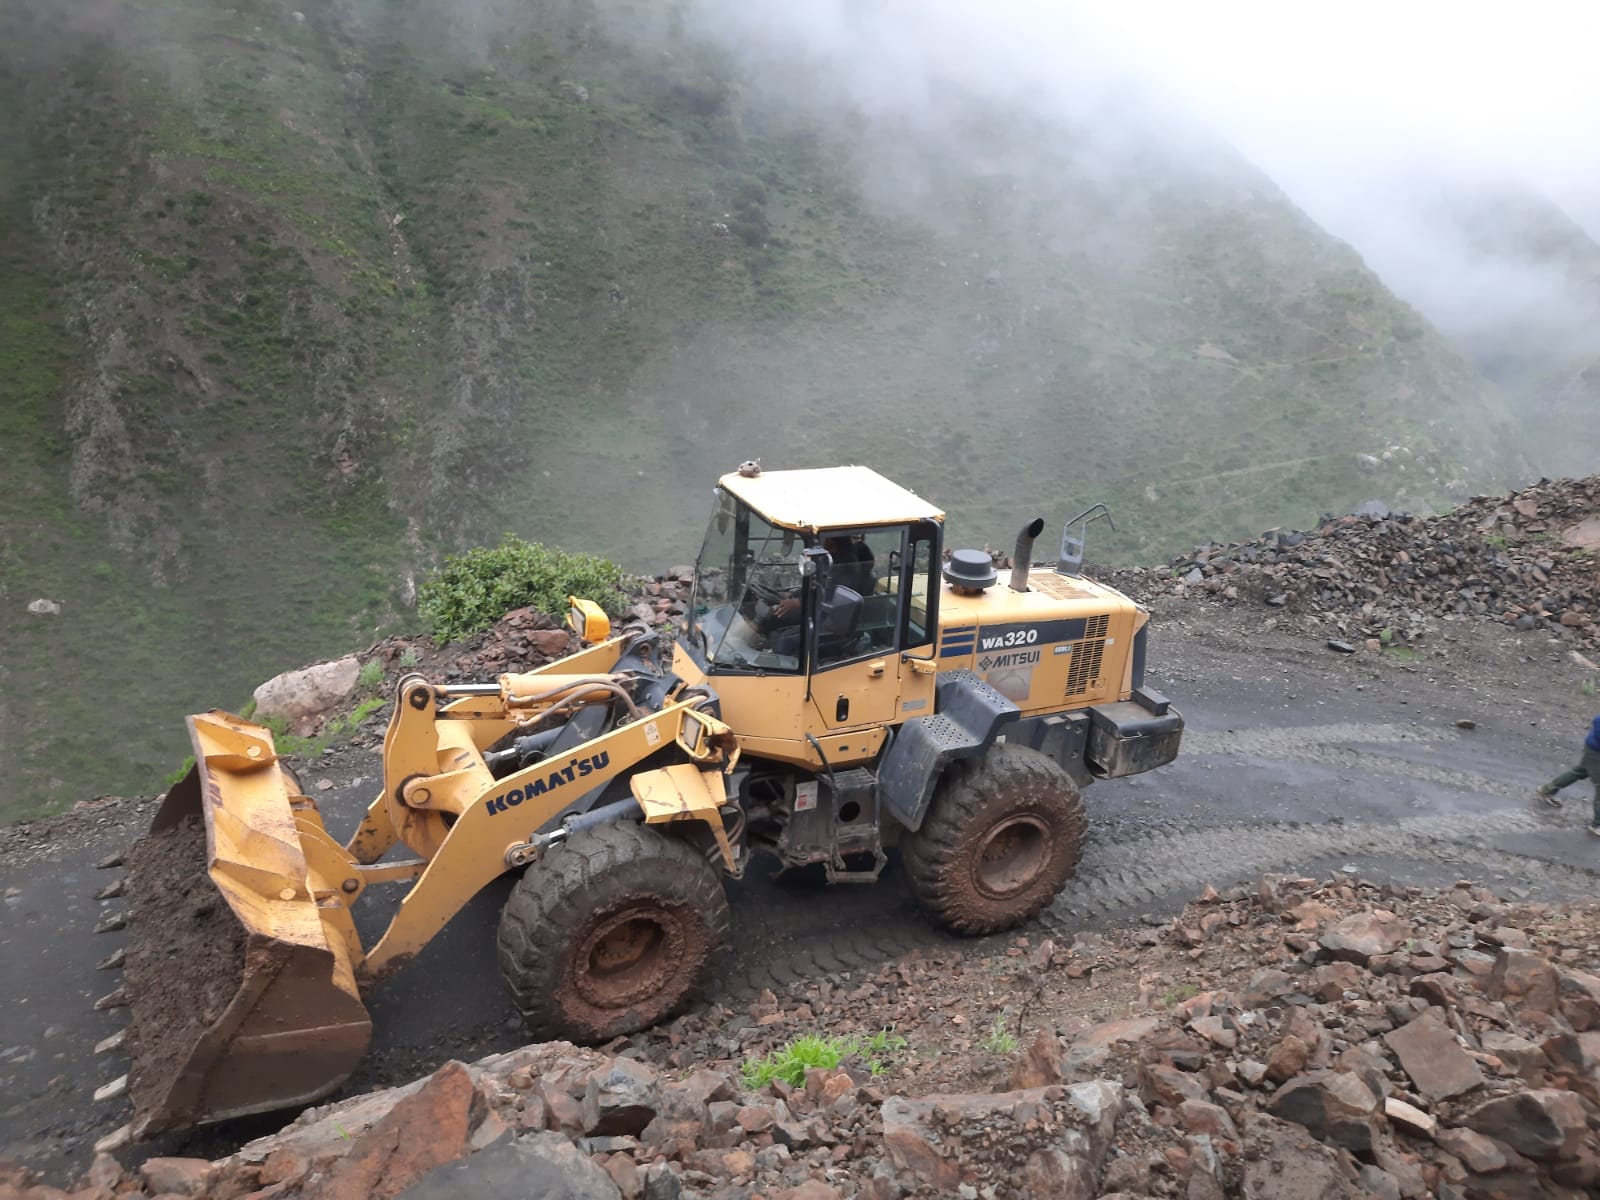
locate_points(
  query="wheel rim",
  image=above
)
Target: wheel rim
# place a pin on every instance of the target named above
(627, 957)
(1011, 856)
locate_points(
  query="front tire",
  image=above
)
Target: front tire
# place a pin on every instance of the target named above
(609, 932)
(1001, 838)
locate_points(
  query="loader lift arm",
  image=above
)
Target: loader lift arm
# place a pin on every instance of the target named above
(296, 1026)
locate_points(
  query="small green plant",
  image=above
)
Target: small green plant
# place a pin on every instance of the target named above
(173, 779)
(791, 1062)
(371, 675)
(409, 657)
(999, 1039)
(286, 743)
(474, 590)
(351, 720)
(292, 744)
(1179, 994)
(1401, 653)
(1588, 687)
(882, 1043)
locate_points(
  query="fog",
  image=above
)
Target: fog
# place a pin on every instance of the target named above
(1450, 144)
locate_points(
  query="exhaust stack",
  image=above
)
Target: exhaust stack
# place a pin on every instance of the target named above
(1023, 555)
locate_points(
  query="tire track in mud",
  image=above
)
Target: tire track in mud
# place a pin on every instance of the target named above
(1137, 872)
(1165, 869)
(1322, 745)
(1122, 876)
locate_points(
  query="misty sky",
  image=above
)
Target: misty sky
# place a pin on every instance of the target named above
(1439, 139)
(1410, 130)
(1322, 89)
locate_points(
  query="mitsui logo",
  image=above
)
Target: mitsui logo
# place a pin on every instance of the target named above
(1016, 658)
(576, 769)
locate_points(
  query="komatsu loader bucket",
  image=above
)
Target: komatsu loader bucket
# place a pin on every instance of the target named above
(240, 961)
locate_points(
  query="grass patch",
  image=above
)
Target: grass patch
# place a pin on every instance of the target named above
(814, 1051)
(297, 746)
(999, 1039)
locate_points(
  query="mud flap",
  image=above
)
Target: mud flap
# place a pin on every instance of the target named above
(249, 1004)
(970, 714)
(684, 792)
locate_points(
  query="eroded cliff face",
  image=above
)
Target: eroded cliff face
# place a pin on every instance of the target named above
(297, 298)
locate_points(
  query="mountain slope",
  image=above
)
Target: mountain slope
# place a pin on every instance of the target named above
(297, 299)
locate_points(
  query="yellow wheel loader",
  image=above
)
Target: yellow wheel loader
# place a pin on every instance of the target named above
(839, 684)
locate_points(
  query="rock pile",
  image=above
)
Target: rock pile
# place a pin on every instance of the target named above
(1530, 559)
(1319, 1040)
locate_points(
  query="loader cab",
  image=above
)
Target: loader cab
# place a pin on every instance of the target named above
(813, 590)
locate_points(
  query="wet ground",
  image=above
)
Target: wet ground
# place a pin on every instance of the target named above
(1295, 759)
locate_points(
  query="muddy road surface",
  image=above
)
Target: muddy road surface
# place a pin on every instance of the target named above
(1296, 759)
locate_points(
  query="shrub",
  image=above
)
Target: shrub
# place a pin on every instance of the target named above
(474, 590)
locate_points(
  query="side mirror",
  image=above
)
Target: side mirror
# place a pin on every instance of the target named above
(588, 620)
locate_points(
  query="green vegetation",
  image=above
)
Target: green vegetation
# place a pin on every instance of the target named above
(296, 746)
(791, 1061)
(371, 675)
(473, 590)
(999, 1039)
(1588, 687)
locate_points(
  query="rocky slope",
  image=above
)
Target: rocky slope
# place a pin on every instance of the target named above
(1294, 1038)
(1530, 559)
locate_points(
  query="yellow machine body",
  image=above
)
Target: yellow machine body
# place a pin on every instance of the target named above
(726, 742)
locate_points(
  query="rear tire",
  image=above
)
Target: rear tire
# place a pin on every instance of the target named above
(609, 932)
(1001, 838)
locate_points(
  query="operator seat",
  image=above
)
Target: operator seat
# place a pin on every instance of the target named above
(838, 624)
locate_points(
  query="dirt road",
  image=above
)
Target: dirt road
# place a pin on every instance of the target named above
(1296, 759)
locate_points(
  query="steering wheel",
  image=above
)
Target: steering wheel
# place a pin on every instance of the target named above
(766, 592)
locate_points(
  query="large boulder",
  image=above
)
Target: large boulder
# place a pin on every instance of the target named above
(1284, 1162)
(424, 1130)
(309, 691)
(1336, 1106)
(1430, 1054)
(1360, 936)
(1545, 1123)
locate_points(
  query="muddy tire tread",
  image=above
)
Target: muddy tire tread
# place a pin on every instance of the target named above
(541, 915)
(930, 855)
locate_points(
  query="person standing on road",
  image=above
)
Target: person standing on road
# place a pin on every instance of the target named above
(1588, 768)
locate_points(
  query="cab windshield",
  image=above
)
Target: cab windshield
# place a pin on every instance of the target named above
(749, 593)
